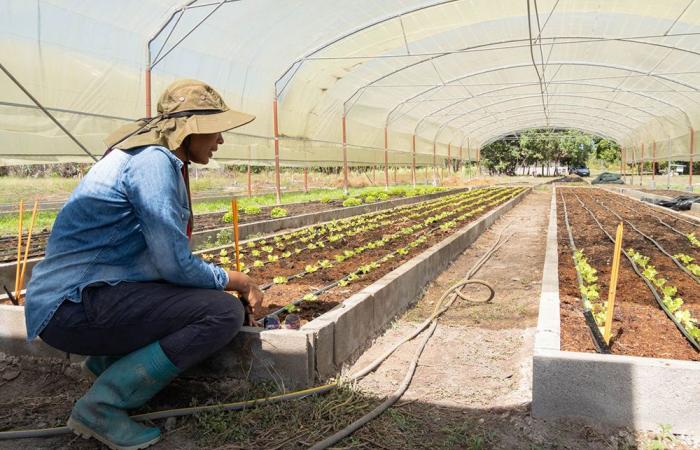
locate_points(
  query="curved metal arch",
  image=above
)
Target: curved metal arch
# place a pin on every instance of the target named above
(462, 128)
(517, 66)
(533, 96)
(558, 104)
(631, 40)
(539, 123)
(299, 60)
(590, 126)
(606, 124)
(538, 96)
(685, 115)
(495, 138)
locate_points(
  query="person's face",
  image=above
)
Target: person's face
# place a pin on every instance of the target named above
(203, 146)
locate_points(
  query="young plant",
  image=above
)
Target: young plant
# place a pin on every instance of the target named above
(278, 212)
(310, 298)
(280, 280)
(252, 209)
(292, 308)
(352, 201)
(310, 268)
(693, 240)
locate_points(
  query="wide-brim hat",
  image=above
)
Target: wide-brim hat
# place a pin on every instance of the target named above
(186, 107)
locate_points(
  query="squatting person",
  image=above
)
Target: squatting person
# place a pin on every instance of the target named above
(119, 282)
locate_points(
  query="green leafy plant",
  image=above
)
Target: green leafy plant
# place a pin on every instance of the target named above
(258, 263)
(310, 298)
(370, 199)
(292, 308)
(278, 212)
(310, 268)
(352, 201)
(273, 258)
(693, 240)
(280, 280)
(252, 209)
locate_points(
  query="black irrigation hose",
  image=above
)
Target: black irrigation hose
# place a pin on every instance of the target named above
(651, 287)
(431, 322)
(675, 230)
(598, 341)
(650, 239)
(237, 406)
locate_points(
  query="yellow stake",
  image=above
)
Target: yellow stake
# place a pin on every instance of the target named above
(26, 248)
(613, 285)
(19, 248)
(234, 215)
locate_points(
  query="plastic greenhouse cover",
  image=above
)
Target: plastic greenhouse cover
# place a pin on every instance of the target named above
(451, 75)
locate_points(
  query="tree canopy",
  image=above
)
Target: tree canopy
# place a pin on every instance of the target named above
(544, 147)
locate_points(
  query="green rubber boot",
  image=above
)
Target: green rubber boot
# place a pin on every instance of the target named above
(93, 366)
(126, 384)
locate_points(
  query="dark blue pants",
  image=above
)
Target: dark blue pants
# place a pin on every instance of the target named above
(190, 324)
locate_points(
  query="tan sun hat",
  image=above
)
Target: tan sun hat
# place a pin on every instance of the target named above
(186, 107)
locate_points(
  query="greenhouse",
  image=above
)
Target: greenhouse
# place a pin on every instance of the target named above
(449, 223)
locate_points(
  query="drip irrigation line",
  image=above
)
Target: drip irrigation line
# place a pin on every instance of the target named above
(650, 239)
(598, 341)
(675, 230)
(237, 406)
(651, 287)
(330, 286)
(267, 286)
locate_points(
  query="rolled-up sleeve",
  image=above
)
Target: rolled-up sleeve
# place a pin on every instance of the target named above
(152, 185)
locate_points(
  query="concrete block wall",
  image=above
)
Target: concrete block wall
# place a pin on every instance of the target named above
(618, 390)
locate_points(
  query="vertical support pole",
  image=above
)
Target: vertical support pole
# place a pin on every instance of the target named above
(690, 162)
(345, 158)
(653, 165)
(250, 181)
(624, 165)
(386, 159)
(461, 163)
(612, 290)
(306, 180)
(394, 174)
(622, 152)
(449, 158)
(413, 164)
(641, 166)
(478, 160)
(278, 187)
(148, 89)
(434, 165)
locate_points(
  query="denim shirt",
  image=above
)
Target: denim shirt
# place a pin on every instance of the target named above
(126, 221)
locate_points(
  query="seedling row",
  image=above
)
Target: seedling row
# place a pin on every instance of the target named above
(309, 271)
(658, 301)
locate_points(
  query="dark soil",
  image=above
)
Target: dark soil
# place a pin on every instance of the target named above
(640, 327)
(280, 295)
(668, 193)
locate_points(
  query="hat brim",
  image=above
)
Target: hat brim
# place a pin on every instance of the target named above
(220, 122)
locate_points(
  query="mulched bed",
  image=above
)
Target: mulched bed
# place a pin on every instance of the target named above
(640, 327)
(668, 193)
(280, 295)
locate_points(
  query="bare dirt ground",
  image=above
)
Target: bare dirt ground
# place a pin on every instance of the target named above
(471, 389)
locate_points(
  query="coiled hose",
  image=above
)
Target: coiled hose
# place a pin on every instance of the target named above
(454, 291)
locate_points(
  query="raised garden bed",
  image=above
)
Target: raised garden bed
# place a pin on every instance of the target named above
(352, 297)
(248, 226)
(650, 375)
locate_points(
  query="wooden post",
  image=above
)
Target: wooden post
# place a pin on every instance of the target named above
(19, 248)
(278, 187)
(613, 285)
(306, 180)
(234, 220)
(395, 175)
(26, 249)
(345, 158)
(449, 158)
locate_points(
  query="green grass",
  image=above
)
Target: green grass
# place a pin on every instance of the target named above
(8, 223)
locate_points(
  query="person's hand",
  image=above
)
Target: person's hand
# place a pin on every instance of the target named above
(249, 292)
